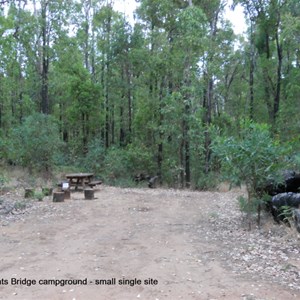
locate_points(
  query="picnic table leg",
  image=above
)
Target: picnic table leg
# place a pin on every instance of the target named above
(77, 183)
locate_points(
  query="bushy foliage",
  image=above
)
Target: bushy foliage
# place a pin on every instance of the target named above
(34, 143)
(3, 181)
(249, 159)
(116, 165)
(207, 181)
(93, 161)
(141, 159)
(124, 163)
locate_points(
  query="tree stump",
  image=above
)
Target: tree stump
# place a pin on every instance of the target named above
(58, 197)
(29, 193)
(67, 194)
(88, 194)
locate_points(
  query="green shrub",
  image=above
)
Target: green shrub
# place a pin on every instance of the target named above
(121, 164)
(207, 181)
(3, 180)
(249, 207)
(35, 143)
(251, 159)
(116, 164)
(141, 159)
(286, 213)
(93, 161)
(20, 205)
(39, 196)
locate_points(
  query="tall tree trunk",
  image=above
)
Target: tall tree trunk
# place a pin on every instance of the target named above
(251, 71)
(106, 119)
(93, 63)
(107, 82)
(186, 120)
(128, 77)
(208, 96)
(122, 131)
(181, 161)
(103, 105)
(21, 106)
(45, 60)
(84, 133)
(207, 105)
(161, 135)
(268, 80)
(63, 130)
(87, 7)
(278, 83)
(122, 125)
(186, 129)
(112, 122)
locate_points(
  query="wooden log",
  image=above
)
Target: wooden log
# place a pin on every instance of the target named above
(67, 194)
(88, 194)
(29, 193)
(58, 197)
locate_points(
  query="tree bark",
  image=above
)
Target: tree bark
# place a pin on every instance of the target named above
(207, 105)
(187, 146)
(107, 82)
(251, 72)
(161, 135)
(45, 59)
(87, 6)
(89, 194)
(208, 95)
(278, 83)
(128, 77)
(58, 196)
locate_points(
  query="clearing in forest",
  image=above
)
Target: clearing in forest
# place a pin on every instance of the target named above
(144, 244)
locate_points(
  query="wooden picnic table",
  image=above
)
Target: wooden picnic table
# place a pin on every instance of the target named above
(80, 179)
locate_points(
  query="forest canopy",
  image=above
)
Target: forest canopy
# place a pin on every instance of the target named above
(119, 99)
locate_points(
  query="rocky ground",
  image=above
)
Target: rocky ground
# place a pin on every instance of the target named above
(194, 244)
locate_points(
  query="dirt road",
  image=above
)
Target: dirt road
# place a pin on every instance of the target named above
(145, 244)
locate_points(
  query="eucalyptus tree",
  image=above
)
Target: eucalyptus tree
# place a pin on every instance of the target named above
(215, 50)
(123, 67)
(191, 41)
(156, 16)
(16, 56)
(290, 108)
(186, 43)
(267, 28)
(112, 70)
(53, 20)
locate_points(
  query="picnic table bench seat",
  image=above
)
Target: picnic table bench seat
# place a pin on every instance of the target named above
(94, 183)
